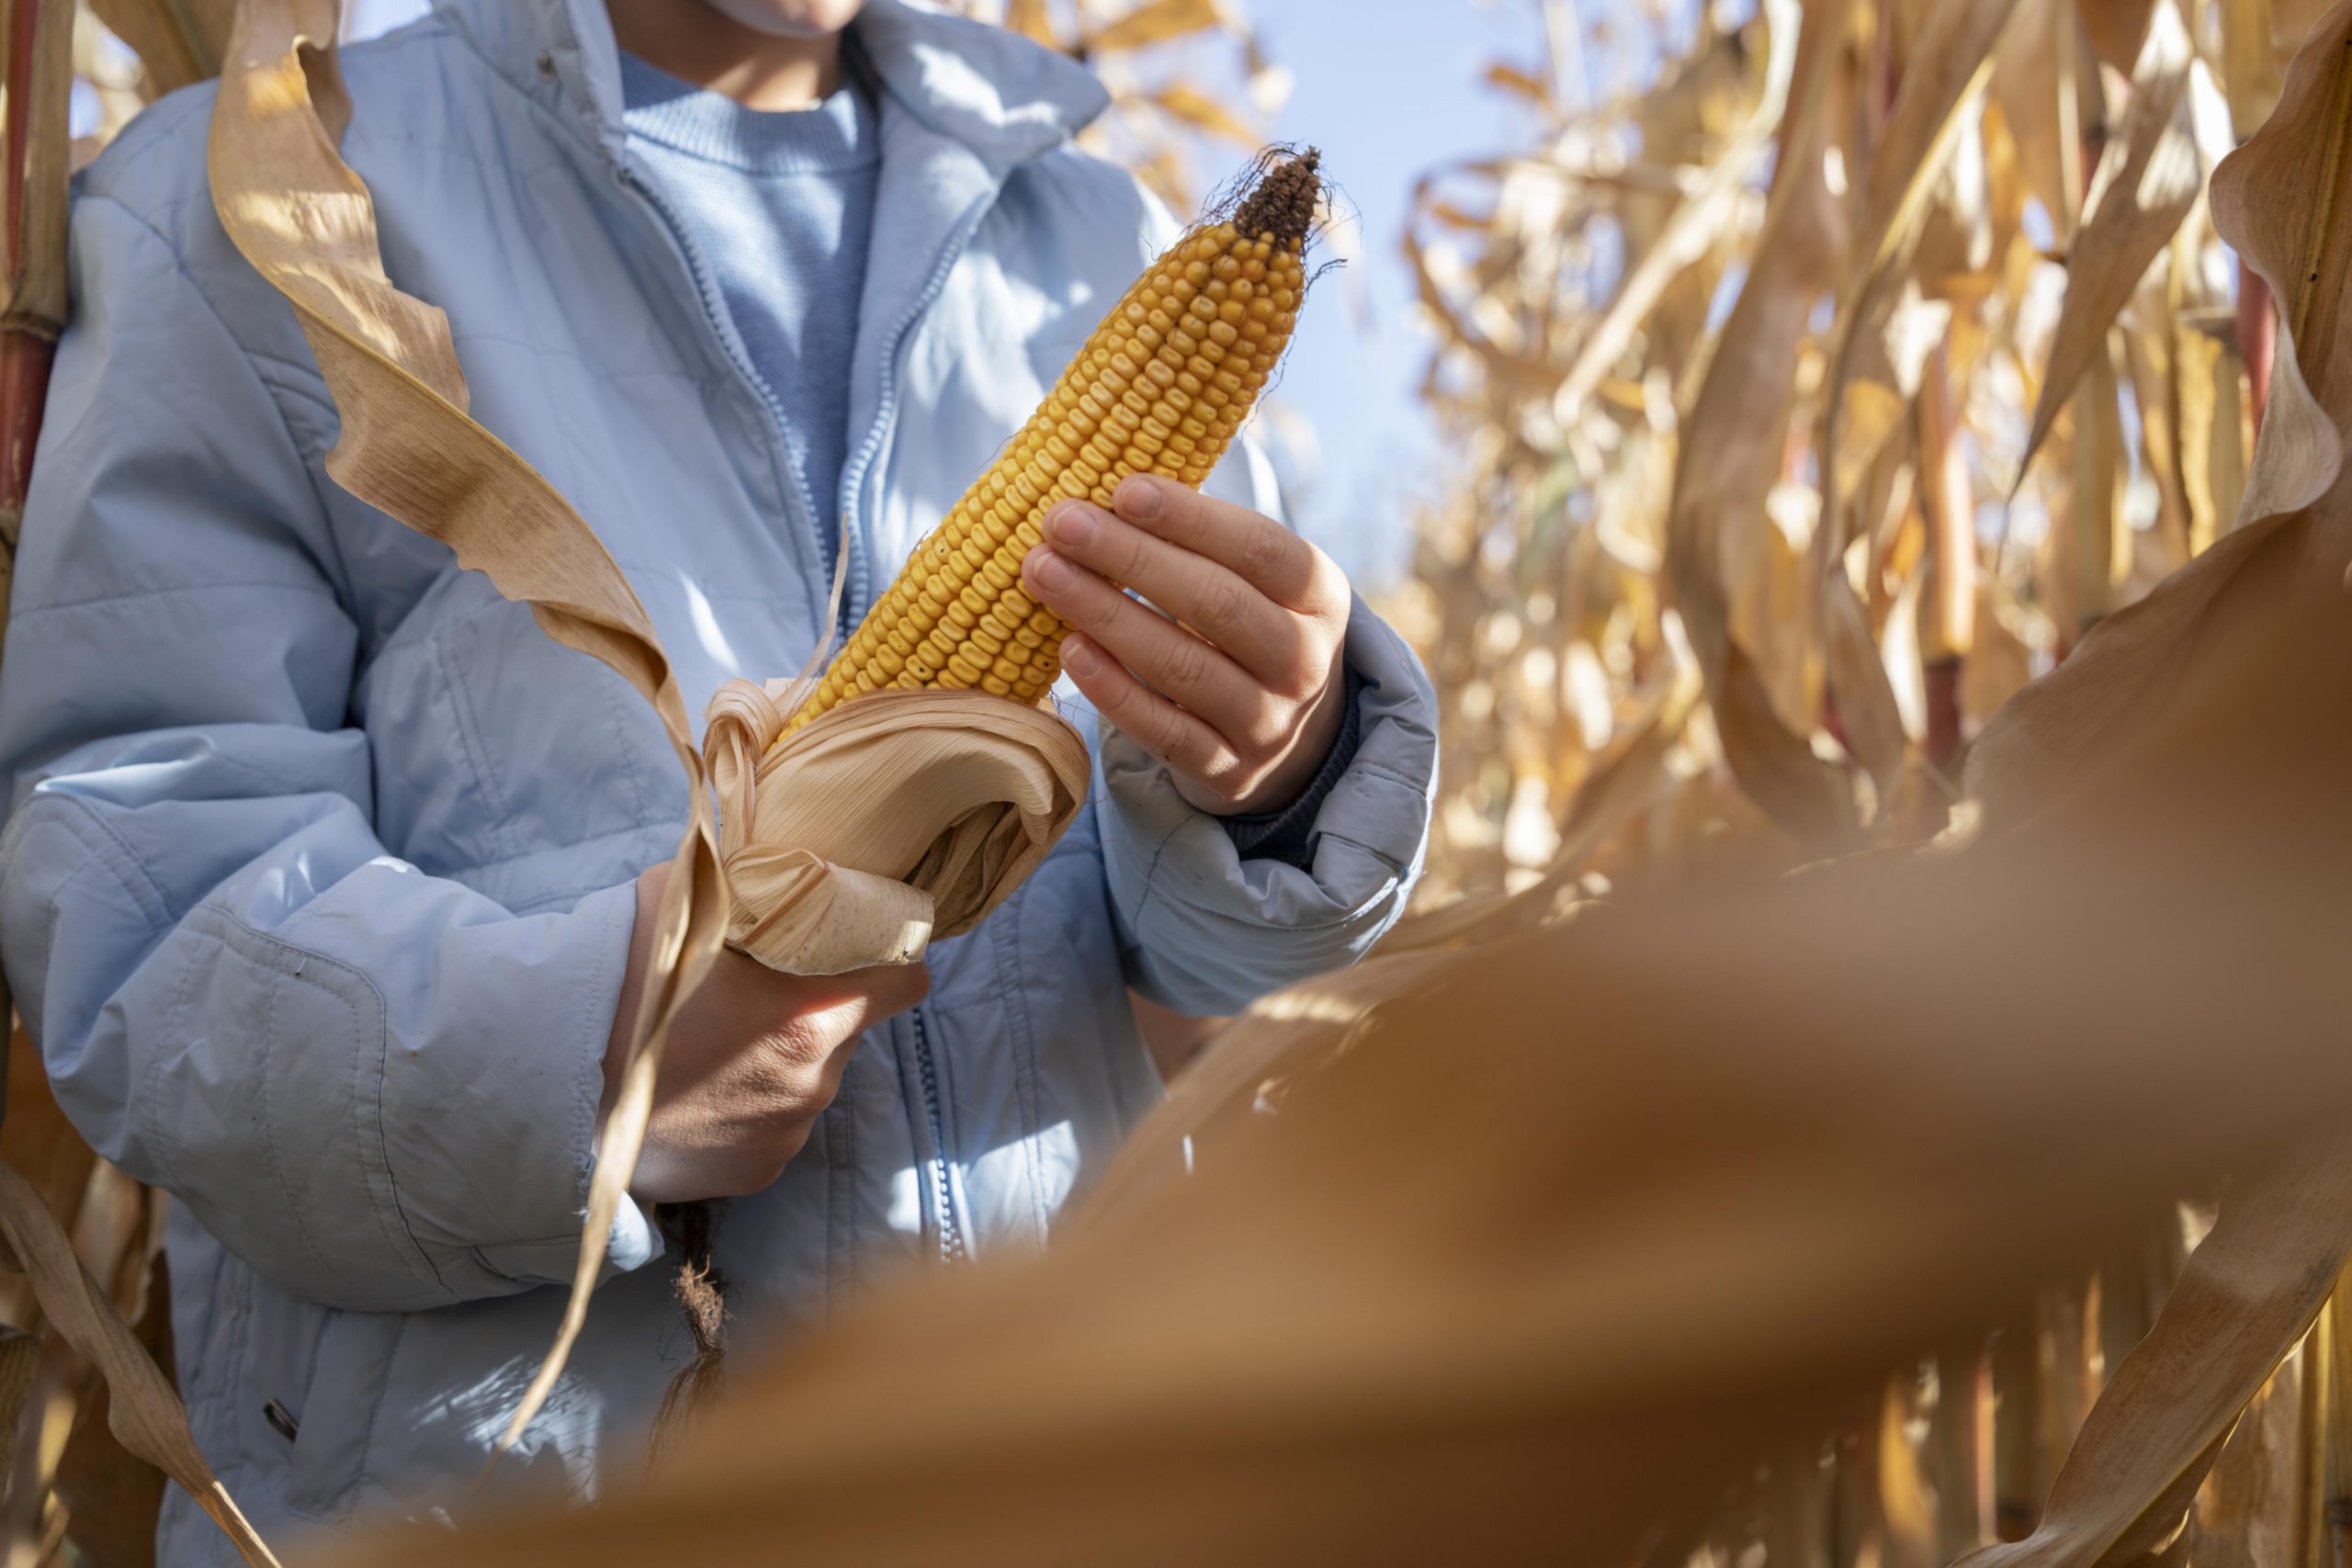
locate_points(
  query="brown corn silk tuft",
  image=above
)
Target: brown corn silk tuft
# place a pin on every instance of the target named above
(1161, 387)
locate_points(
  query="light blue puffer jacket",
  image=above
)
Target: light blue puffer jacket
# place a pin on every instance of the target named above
(317, 872)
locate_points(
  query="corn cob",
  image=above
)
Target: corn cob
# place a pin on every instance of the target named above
(1160, 388)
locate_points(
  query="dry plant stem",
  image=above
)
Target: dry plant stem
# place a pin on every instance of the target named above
(37, 73)
(2146, 182)
(2317, 1358)
(2336, 1441)
(1716, 501)
(177, 42)
(1954, 59)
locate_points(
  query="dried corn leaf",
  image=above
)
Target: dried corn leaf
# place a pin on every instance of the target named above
(1867, 709)
(1696, 224)
(1293, 1032)
(1511, 79)
(2022, 97)
(1196, 108)
(1944, 78)
(2243, 1300)
(2279, 199)
(1721, 481)
(177, 42)
(145, 1413)
(1154, 21)
(2147, 182)
(1944, 81)
(2118, 29)
(1028, 19)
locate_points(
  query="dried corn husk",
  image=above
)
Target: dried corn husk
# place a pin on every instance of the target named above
(896, 819)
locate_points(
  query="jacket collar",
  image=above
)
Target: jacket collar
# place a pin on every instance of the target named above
(996, 94)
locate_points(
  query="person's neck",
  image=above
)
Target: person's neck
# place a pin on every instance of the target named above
(696, 42)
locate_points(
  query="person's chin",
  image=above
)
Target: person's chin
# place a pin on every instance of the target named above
(791, 19)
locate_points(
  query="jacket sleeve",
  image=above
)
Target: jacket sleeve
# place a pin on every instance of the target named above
(1207, 931)
(376, 1087)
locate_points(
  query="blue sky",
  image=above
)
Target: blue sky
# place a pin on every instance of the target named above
(1388, 89)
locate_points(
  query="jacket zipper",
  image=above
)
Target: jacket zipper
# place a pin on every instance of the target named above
(886, 415)
(951, 1229)
(713, 307)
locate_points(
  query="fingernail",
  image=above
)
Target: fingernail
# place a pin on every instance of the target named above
(1073, 525)
(1138, 498)
(1079, 660)
(1050, 572)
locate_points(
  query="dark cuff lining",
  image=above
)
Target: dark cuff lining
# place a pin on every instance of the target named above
(1288, 835)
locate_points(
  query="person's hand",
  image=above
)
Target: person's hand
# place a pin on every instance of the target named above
(753, 1056)
(1234, 680)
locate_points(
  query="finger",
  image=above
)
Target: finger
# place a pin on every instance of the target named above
(1173, 662)
(1255, 547)
(1181, 740)
(1259, 635)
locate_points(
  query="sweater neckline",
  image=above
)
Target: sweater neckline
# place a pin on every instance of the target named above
(835, 136)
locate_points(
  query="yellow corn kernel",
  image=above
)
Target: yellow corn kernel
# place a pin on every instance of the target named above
(1160, 388)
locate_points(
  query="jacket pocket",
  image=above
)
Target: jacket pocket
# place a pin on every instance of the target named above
(314, 1378)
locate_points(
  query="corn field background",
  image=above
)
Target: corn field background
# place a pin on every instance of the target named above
(1816, 373)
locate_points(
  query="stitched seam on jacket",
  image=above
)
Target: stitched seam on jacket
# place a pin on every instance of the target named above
(1378, 771)
(459, 871)
(1396, 867)
(151, 1081)
(416, 1252)
(1354, 915)
(563, 125)
(1151, 874)
(269, 1122)
(131, 595)
(105, 851)
(468, 728)
(244, 356)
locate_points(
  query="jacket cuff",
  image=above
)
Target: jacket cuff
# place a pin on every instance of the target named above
(1209, 930)
(633, 1240)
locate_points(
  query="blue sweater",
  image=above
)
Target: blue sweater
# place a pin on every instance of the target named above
(781, 205)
